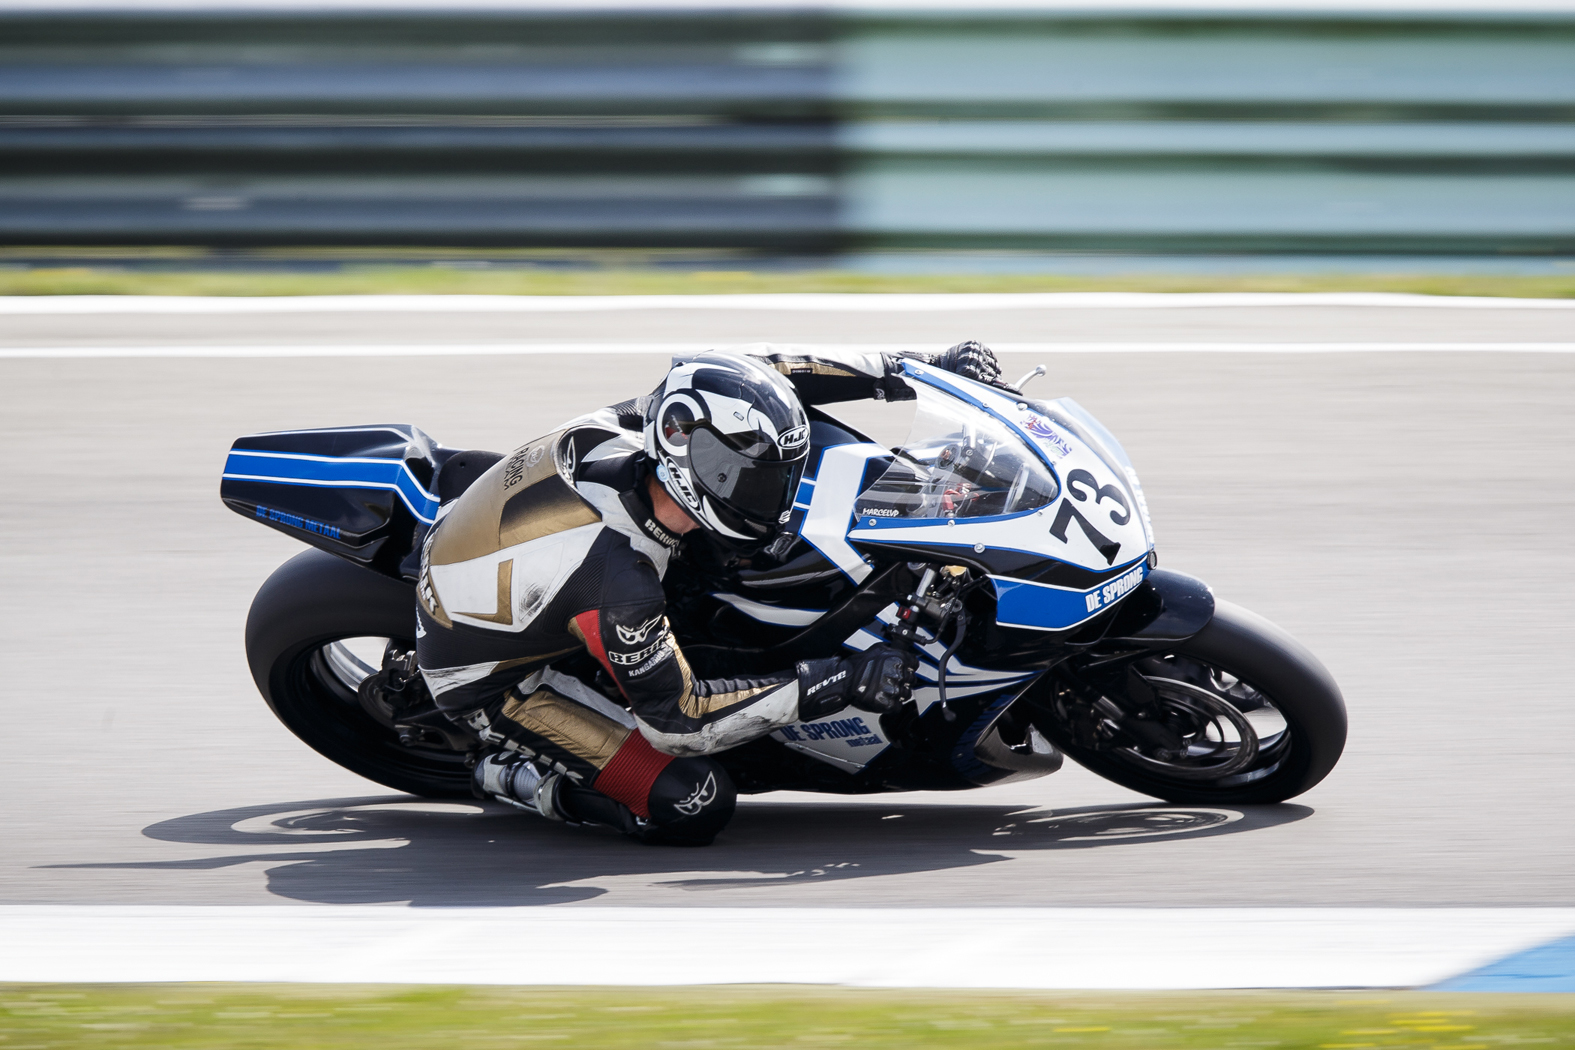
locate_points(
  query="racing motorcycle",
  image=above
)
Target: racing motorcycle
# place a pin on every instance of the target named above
(1007, 542)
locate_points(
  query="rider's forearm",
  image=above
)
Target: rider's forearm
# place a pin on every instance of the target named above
(677, 712)
(825, 376)
(710, 716)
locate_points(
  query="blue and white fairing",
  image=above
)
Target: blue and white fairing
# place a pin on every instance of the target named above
(1038, 491)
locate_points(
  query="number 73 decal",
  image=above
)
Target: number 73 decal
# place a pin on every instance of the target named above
(1085, 488)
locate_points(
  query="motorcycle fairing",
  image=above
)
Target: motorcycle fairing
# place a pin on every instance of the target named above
(962, 680)
(1096, 515)
(1044, 607)
(851, 747)
(851, 740)
(775, 615)
(1067, 442)
(839, 477)
(848, 740)
(362, 492)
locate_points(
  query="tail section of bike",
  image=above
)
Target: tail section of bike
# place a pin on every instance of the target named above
(367, 494)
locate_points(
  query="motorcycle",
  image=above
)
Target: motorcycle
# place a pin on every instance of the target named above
(1007, 542)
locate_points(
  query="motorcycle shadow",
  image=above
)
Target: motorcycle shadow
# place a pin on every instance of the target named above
(385, 849)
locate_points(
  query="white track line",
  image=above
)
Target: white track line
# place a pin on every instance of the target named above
(873, 947)
(834, 303)
(665, 349)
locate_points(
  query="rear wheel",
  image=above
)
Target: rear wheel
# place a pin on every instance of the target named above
(1239, 713)
(318, 628)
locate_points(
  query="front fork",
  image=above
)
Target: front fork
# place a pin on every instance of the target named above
(935, 604)
(1114, 710)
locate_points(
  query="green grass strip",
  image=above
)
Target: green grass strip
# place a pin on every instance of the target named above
(449, 280)
(322, 1017)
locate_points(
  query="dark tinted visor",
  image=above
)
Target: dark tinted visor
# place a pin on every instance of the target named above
(754, 488)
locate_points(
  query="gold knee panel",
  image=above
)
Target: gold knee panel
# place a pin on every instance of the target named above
(574, 727)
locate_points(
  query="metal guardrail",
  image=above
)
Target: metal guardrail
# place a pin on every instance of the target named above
(780, 130)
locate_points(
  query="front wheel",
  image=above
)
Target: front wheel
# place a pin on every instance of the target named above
(318, 628)
(1239, 713)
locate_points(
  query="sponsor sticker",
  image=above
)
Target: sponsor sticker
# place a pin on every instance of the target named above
(1047, 435)
(519, 462)
(851, 731)
(1115, 590)
(295, 521)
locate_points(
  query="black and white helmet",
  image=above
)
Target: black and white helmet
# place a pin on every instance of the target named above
(729, 437)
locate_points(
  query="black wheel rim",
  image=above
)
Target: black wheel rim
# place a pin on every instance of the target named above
(1233, 731)
(331, 716)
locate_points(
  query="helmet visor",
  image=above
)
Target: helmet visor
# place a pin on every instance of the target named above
(759, 490)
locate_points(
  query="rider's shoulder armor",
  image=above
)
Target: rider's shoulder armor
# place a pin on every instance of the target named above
(522, 497)
(501, 549)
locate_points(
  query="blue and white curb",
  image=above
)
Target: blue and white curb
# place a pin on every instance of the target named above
(1063, 948)
(1545, 968)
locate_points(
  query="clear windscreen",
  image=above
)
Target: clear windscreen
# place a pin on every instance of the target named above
(958, 462)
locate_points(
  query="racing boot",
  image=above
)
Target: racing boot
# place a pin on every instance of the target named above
(514, 779)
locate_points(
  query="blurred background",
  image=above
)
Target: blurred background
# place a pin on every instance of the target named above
(1380, 477)
(1032, 136)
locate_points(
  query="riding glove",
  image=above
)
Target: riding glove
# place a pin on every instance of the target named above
(878, 680)
(971, 360)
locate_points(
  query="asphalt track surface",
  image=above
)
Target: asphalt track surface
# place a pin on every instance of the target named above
(1406, 515)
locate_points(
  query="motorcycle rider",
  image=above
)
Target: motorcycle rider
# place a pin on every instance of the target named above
(560, 549)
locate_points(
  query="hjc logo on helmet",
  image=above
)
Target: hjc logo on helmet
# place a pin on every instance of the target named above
(795, 438)
(675, 480)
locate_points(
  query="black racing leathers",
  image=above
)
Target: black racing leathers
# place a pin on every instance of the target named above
(555, 551)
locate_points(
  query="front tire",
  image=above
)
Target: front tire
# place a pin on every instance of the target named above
(1238, 668)
(295, 635)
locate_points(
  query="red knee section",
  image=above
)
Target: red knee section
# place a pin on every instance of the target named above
(629, 776)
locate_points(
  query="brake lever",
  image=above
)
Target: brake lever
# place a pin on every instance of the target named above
(1038, 371)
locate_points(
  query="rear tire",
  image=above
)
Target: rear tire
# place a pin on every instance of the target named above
(1255, 651)
(310, 602)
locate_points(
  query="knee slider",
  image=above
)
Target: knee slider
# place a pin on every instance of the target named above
(691, 801)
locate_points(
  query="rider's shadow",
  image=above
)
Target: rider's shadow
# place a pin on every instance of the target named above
(398, 848)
